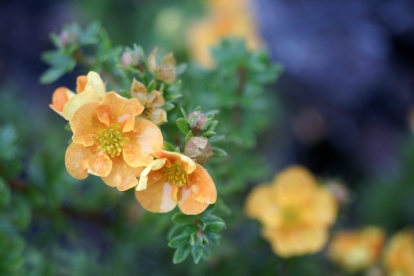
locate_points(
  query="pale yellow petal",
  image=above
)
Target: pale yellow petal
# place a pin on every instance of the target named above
(79, 100)
(177, 158)
(95, 83)
(152, 60)
(153, 166)
(139, 91)
(158, 116)
(156, 99)
(322, 209)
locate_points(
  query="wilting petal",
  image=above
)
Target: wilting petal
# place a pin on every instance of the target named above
(156, 99)
(122, 175)
(260, 205)
(202, 186)
(79, 100)
(115, 109)
(169, 60)
(139, 91)
(95, 83)
(188, 165)
(287, 241)
(59, 98)
(159, 197)
(144, 139)
(153, 166)
(81, 82)
(322, 209)
(152, 60)
(85, 124)
(158, 116)
(187, 204)
(295, 185)
(80, 160)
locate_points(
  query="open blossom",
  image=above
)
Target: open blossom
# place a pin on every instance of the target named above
(89, 88)
(358, 249)
(399, 254)
(171, 179)
(226, 18)
(109, 142)
(295, 212)
(166, 70)
(152, 102)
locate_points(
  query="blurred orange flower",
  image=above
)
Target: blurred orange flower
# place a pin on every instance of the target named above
(89, 88)
(152, 102)
(295, 212)
(399, 254)
(226, 18)
(102, 131)
(171, 179)
(358, 249)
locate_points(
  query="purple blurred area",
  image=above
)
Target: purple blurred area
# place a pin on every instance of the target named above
(348, 80)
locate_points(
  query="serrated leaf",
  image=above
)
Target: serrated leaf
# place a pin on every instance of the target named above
(180, 218)
(196, 252)
(181, 254)
(218, 152)
(183, 125)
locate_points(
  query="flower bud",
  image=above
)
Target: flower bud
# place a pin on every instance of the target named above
(198, 149)
(130, 58)
(197, 123)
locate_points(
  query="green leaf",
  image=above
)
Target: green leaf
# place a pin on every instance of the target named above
(183, 125)
(181, 68)
(212, 126)
(168, 106)
(188, 136)
(4, 192)
(206, 252)
(181, 254)
(168, 146)
(179, 241)
(217, 138)
(208, 134)
(218, 152)
(152, 85)
(184, 113)
(215, 226)
(197, 252)
(51, 75)
(180, 218)
(125, 94)
(90, 35)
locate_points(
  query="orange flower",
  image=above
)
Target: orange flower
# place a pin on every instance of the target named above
(399, 254)
(110, 143)
(356, 250)
(174, 178)
(152, 102)
(227, 18)
(295, 212)
(89, 88)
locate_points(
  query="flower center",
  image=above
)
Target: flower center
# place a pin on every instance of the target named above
(176, 175)
(146, 113)
(111, 141)
(290, 214)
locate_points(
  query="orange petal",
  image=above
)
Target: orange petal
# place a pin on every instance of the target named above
(188, 205)
(261, 205)
(188, 165)
(122, 175)
(79, 100)
(59, 98)
(115, 109)
(294, 185)
(322, 209)
(144, 139)
(159, 197)
(85, 124)
(81, 83)
(202, 186)
(80, 161)
(296, 241)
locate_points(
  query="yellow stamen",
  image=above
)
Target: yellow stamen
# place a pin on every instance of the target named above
(146, 113)
(176, 175)
(111, 141)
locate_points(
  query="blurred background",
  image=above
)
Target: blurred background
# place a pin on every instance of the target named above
(345, 111)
